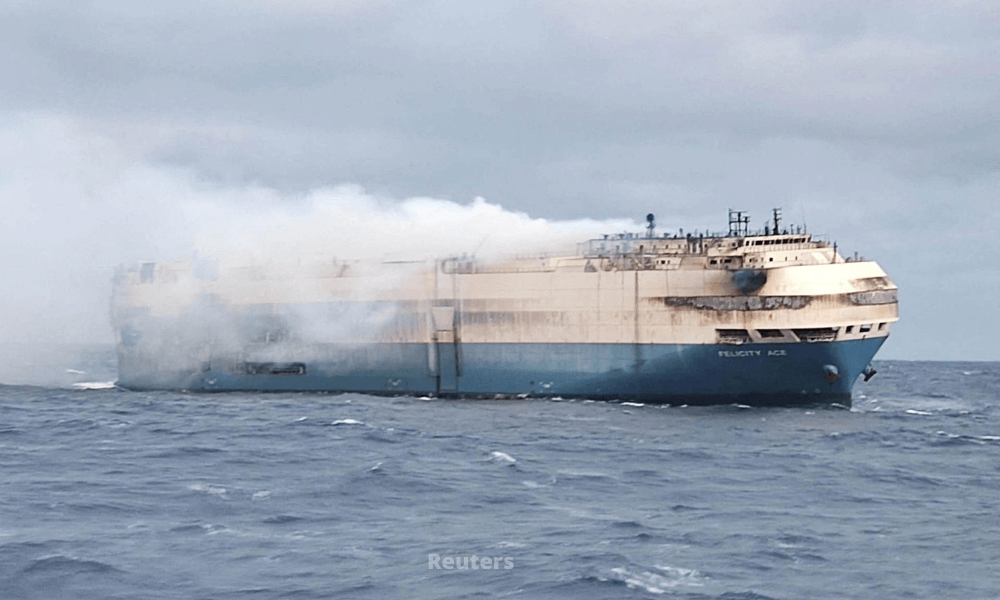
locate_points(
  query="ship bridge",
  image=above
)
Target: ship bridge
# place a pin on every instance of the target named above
(739, 248)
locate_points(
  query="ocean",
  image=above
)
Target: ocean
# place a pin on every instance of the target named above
(111, 494)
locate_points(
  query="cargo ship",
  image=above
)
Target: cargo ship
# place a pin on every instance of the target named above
(770, 317)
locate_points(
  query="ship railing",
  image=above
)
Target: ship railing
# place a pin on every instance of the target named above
(540, 255)
(773, 247)
(619, 247)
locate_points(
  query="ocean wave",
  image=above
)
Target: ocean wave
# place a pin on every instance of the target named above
(658, 580)
(59, 564)
(943, 438)
(502, 457)
(569, 475)
(213, 490)
(707, 503)
(536, 485)
(94, 385)
(281, 519)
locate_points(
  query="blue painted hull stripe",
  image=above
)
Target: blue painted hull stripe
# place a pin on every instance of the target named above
(654, 373)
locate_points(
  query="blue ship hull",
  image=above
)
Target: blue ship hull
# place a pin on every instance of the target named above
(755, 374)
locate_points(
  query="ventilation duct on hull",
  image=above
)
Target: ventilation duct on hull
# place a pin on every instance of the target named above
(733, 336)
(275, 368)
(817, 334)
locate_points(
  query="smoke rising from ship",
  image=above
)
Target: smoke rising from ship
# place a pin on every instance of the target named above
(77, 205)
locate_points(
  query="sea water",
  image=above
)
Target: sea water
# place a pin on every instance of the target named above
(106, 493)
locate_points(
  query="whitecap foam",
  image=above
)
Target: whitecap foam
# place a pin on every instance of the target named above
(923, 413)
(509, 545)
(260, 495)
(658, 583)
(94, 385)
(502, 457)
(347, 422)
(632, 404)
(300, 419)
(208, 489)
(680, 572)
(212, 529)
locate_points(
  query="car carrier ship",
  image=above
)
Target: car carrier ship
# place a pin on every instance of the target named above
(770, 317)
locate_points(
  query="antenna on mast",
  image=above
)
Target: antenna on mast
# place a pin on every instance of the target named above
(777, 220)
(739, 223)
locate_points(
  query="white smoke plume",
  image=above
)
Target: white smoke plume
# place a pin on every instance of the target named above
(76, 205)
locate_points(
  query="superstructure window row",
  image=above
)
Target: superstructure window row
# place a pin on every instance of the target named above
(773, 242)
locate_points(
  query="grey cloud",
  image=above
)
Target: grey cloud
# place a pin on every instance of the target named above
(876, 122)
(512, 73)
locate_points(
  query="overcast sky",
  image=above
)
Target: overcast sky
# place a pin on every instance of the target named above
(875, 122)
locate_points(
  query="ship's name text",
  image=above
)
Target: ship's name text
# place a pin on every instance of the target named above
(750, 353)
